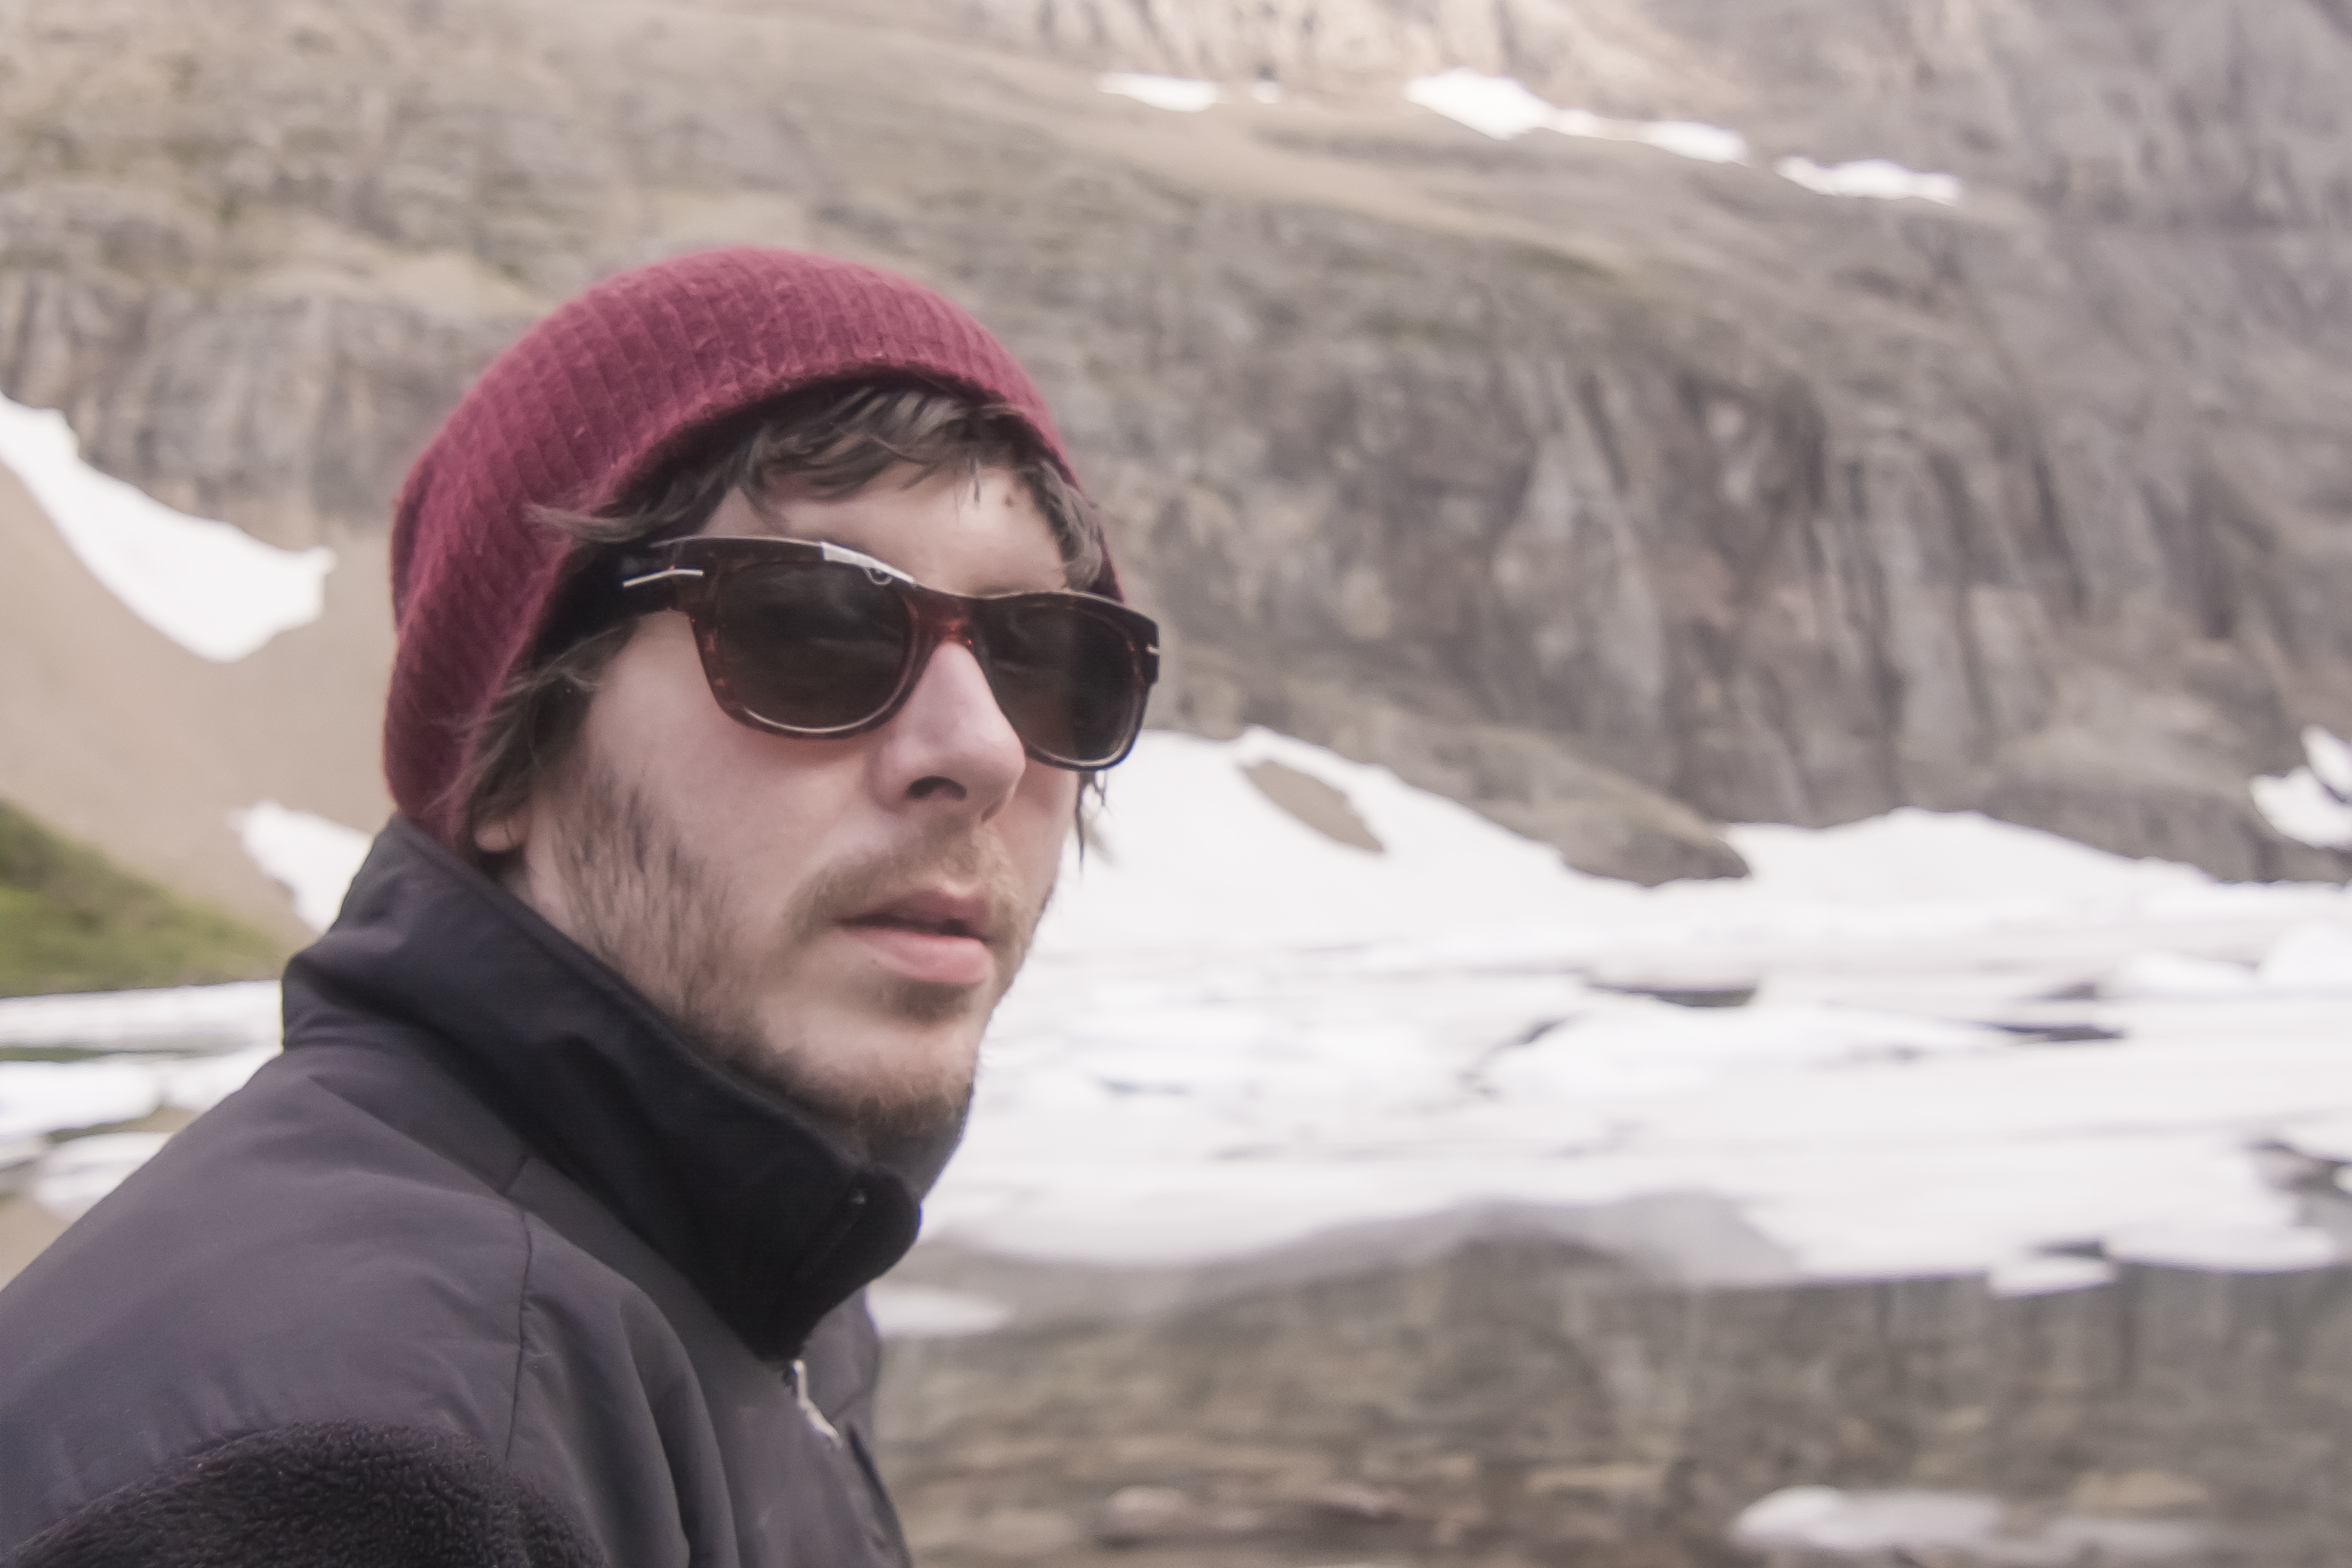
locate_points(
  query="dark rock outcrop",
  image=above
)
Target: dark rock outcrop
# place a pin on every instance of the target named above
(1611, 492)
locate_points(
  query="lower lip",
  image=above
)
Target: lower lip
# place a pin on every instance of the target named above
(926, 955)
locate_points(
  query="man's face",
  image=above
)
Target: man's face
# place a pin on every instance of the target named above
(835, 919)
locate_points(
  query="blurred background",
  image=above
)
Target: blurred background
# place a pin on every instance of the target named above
(1731, 941)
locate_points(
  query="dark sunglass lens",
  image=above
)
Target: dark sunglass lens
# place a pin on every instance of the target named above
(811, 646)
(1065, 677)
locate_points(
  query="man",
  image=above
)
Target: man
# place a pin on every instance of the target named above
(755, 642)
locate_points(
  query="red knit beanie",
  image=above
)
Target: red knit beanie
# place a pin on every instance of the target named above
(590, 403)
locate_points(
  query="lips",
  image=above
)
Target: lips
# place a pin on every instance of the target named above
(931, 910)
(931, 935)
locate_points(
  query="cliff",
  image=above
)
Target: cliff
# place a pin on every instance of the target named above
(1611, 491)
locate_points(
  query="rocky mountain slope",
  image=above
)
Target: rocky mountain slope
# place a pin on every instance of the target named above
(114, 736)
(1612, 491)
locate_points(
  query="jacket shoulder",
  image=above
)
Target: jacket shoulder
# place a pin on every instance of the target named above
(334, 1243)
(339, 1492)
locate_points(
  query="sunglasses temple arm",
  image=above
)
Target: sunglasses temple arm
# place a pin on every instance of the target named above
(658, 587)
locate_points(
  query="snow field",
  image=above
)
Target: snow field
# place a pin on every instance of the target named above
(1971, 1047)
(1235, 1033)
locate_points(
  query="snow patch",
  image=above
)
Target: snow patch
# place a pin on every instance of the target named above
(1824, 1518)
(1916, 858)
(2312, 805)
(2331, 758)
(1684, 138)
(41, 1098)
(2178, 977)
(197, 1083)
(2314, 958)
(1910, 1525)
(2274, 1249)
(1871, 177)
(213, 589)
(1502, 107)
(49, 1097)
(120, 1056)
(2044, 1274)
(1181, 95)
(1646, 1047)
(314, 858)
(924, 1312)
(1497, 105)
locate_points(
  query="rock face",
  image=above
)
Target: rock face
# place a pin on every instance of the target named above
(1524, 1401)
(1611, 492)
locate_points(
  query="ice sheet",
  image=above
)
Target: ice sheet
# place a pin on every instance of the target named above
(213, 589)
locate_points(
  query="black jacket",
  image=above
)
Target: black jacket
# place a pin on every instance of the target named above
(486, 1227)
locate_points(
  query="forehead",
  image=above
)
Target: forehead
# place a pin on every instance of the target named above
(964, 531)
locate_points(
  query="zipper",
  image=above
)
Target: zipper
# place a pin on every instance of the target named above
(799, 1374)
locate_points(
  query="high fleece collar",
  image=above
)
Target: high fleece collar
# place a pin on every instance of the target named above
(772, 1219)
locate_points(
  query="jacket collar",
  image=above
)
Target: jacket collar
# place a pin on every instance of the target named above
(770, 1219)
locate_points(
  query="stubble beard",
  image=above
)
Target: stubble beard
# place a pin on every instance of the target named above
(642, 900)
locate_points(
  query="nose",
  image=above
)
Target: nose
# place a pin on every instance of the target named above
(951, 747)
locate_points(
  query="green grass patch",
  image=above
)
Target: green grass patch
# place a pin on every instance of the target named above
(71, 921)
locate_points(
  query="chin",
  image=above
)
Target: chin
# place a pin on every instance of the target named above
(927, 1004)
(882, 1073)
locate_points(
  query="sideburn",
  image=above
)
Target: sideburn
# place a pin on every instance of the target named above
(642, 900)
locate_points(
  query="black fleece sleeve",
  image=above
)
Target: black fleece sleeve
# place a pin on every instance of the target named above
(327, 1495)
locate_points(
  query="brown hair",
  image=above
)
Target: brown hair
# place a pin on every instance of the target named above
(831, 440)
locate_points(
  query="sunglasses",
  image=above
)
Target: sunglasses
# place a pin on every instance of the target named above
(811, 639)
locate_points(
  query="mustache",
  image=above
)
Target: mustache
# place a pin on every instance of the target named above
(951, 854)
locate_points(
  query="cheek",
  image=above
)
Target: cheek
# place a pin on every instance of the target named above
(665, 736)
(1039, 820)
(746, 808)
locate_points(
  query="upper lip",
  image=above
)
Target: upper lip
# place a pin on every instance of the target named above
(935, 909)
